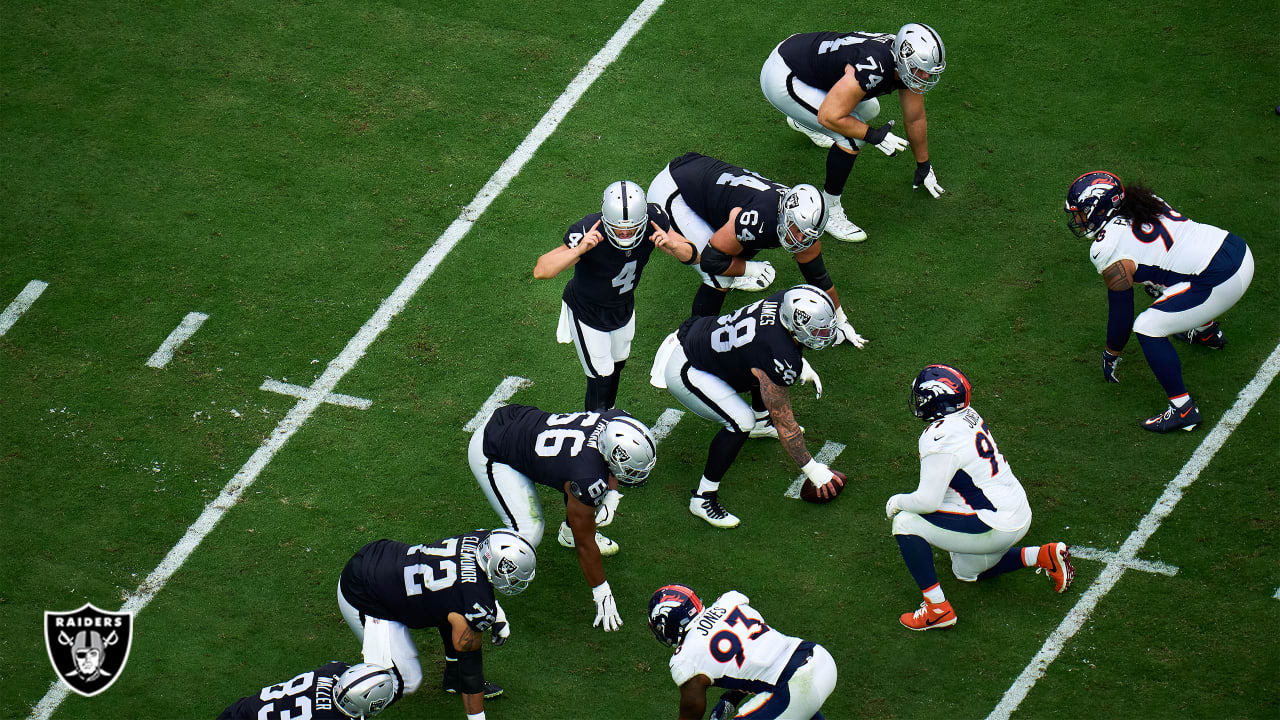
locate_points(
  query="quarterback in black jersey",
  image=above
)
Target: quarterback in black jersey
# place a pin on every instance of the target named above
(333, 691)
(388, 588)
(708, 361)
(598, 314)
(584, 456)
(732, 214)
(828, 85)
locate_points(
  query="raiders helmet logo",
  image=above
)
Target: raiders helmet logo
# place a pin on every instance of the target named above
(88, 647)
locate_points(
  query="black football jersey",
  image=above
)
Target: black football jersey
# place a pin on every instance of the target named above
(551, 449)
(731, 345)
(601, 292)
(419, 585)
(819, 59)
(713, 188)
(309, 695)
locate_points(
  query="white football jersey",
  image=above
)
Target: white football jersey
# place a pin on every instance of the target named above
(1176, 243)
(730, 639)
(983, 483)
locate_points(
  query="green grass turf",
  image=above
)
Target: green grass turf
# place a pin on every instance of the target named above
(281, 166)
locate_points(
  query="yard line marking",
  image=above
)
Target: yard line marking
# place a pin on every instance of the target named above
(827, 455)
(500, 396)
(20, 304)
(1148, 566)
(1114, 570)
(356, 347)
(666, 423)
(299, 391)
(188, 327)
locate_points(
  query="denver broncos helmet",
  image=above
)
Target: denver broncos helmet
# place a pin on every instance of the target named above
(938, 390)
(1091, 201)
(671, 609)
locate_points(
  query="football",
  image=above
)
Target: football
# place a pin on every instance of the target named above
(809, 491)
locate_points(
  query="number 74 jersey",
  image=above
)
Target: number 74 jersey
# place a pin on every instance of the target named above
(730, 643)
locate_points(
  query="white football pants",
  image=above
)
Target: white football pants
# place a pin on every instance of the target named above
(705, 394)
(971, 554)
(800, 102)
(598, 350)
(1160, 320)
(808, 688)
(385, 642)
(664, 192)
(511, 494)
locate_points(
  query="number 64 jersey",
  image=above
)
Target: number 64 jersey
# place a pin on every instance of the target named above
(713, 188)
(730, 643)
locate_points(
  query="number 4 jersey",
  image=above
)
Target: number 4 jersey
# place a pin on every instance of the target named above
(419, 585)
(309, 695)
(820, 59)
(601, 292)
(730, 643)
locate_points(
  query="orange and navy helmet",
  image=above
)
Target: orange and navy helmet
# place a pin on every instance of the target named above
(1091, 201)
(938, 390)
(671, 609)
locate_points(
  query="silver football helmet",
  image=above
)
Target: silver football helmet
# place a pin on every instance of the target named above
(628, 449)
(508, 559)
(804, 210)
(364, 690)
(624, 212)
(918, 49)
(810, 316)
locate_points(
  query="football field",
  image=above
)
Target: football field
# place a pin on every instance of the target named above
(262, 265)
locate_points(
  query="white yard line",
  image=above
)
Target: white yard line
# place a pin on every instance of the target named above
(497, 399)
(358, 344)
(299, 391)
(188, 327)
(1127, 556)
(827, 455)
(1106, 556)
(666, 423)
(20, 304)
